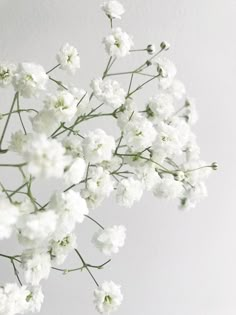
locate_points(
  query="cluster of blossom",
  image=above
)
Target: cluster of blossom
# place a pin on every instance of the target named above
(156, 151)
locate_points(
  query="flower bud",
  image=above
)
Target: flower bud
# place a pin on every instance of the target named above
(179, 176)
(164, 45)
(151, 49)
(163, 73)
(148, 63)
(214, 166)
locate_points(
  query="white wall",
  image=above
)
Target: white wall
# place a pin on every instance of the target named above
(174, 263)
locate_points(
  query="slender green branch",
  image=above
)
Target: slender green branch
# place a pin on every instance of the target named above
(59, 83)
(8, 119)
(86, 267)
(65, 271)
(90, 218)
(53, 69)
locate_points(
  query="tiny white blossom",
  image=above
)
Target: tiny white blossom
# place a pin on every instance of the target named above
(70, 208)
(108, 92)
(7, 71)
(36, 265)
(17, 142)
(35, 299)
(13, 299)
(113, 9)
(108, 297)
(139, 133)
(148, 175)
(128, 191)
(118, 43)
(9, 214)
(168, 188)
(167, 140)
(45, 122)
(45, 157)
(35, 228)
(30, 79)
(100, 182)
(60, 249)
(99, 186)
(63, 104)
(160, 107)
(75, 171)
(109, 240)
(68, 58)
(98, 146)
(73, 146)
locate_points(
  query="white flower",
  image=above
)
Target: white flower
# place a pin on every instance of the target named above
(17, 142)
(68, 58)
(45, 157)
(167, 71)
(167, 140)
(99, 186)
(36, 265)
(70, 208)
(168, 188)
(8, 217)
(118, 43)
(63, 104)
(30, 79)
(108, 92)
(160, 107)
(113, 9)
(60, 249)
(100, 182)
(73, 146)
(45, 122)
(75, 171)
(98, 146)
(177, 89)
(139, 133)
(35, 299)
(36, 228)
(13, 299)
(109, 240)
(148, 175)
(128, 191)
(7, 71)
(108, 297)
(93, 200)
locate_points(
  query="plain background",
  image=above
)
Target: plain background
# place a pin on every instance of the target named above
(174, 263)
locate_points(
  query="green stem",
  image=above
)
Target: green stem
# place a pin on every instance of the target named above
(86, 267)
(8, 119)
(90, 218)
(53, 69)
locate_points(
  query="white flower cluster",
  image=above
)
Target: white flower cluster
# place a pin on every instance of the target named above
(152, 148)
